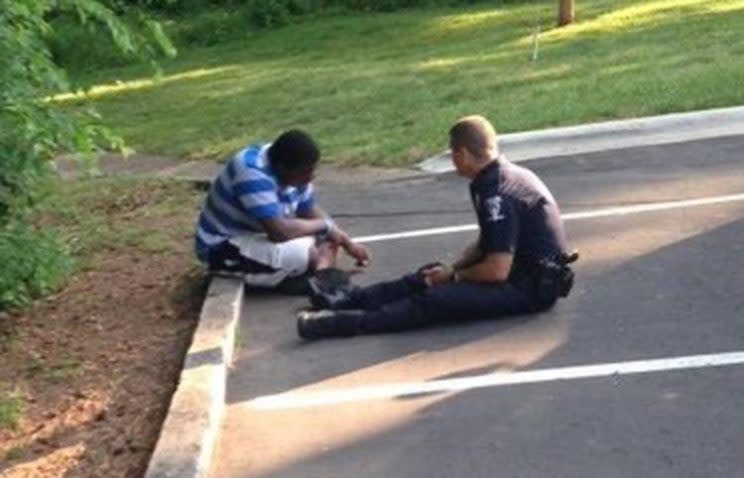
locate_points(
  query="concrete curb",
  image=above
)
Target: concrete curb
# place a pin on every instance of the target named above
(187, 439)
(611, 135)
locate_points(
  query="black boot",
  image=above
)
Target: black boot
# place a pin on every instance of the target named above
(328, 323)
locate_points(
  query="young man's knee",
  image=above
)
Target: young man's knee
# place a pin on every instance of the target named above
(296, 256)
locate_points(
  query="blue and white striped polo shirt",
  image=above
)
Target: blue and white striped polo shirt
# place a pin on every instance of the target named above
(245, 192)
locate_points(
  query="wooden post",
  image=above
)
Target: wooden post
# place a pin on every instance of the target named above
(565, 12)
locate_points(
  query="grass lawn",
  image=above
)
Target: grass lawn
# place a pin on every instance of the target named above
(95, 216)
(383, 88)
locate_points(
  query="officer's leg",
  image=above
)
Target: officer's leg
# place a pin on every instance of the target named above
(448, 302)
(378, 295)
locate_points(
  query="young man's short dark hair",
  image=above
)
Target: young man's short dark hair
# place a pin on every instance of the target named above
(294, 150)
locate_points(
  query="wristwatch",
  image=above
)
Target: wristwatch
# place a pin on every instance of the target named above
(328, 226)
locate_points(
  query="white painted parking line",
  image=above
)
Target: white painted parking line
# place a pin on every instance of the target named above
(574, 216)
(293, 400)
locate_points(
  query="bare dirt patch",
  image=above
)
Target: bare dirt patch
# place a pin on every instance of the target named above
(94, 366)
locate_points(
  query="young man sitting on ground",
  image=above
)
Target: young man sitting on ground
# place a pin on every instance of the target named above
(260, 219)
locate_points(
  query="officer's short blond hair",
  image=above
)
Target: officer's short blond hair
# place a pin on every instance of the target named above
(476, 134)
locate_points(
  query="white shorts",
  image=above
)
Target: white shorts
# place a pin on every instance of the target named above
(287, 259)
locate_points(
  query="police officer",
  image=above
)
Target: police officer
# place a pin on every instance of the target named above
(517, 265)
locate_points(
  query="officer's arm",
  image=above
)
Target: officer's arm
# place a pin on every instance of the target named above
(470, 256)
(281, 229)
(494, 268)
(499, 222)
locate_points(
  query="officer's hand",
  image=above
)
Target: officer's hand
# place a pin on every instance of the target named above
(423, 269)
(438, 275)
(358, 252)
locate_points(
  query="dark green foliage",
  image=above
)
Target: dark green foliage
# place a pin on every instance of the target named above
(215, 26)
(34, 263)
(211, 22)
(268, 13)
(33, 129)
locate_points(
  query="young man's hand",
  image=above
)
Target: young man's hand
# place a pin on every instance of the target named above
(357, 251)
(438, 275)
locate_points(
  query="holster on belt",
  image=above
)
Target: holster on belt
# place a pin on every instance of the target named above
(547, 279)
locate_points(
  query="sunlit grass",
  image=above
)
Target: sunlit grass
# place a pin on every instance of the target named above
(654, 12)
(99, 91)
(384, 88)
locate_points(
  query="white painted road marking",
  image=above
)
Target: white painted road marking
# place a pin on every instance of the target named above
(293, 400)
(575, 216)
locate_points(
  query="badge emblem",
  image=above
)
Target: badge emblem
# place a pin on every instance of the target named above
(494, 209)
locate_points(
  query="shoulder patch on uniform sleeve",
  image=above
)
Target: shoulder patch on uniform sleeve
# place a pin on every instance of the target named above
(493, 206)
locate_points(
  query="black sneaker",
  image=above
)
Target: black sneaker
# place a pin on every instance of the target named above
(332, 278)
(327, 323)
(323, 297)
(299, 285)
(327, 280)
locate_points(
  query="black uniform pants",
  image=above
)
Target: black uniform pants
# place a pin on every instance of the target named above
(408, 303)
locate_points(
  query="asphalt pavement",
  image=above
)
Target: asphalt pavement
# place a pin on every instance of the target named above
(658, 280)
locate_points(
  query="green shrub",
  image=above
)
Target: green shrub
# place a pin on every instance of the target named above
(34, 263)
(214, 26)
(80, 48)
(34, 130)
